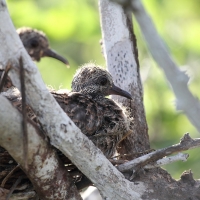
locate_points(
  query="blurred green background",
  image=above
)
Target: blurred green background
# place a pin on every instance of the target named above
(73, 29)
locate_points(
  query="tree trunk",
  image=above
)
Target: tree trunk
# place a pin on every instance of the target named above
(120, 52)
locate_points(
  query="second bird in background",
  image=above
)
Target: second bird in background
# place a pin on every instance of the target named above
(101, 119)
(37, 46)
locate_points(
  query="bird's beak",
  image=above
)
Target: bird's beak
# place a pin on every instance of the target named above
(118, 91)
(52, 54)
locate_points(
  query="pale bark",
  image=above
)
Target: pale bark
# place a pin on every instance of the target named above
(68, 138)
(186, 143)
(120, 52)
(168, 160)
(62, 132)
(178, 79)
(43, 167)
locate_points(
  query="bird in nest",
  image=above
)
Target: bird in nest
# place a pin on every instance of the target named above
(37, 46)
(101, 119)
(98, 117)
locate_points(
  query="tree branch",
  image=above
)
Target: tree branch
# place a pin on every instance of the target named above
(41, 157)
(62, 132)
(177, 78)
(168, 160)
(186, 143)
(120, 52)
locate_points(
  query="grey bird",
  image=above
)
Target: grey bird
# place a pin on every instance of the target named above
(98, 117)
(37, 46)
(101, 119)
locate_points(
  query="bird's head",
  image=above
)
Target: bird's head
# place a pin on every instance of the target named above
(37, 45)
(95, 81)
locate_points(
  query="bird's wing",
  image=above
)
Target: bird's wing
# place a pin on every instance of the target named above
(82, 110)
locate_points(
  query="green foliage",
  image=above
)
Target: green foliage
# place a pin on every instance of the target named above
(177, 22)
(73, 29)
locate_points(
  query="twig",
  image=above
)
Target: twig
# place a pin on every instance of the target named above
(167, 160)
(186, 143)
(13, 187)
(24, 121)
(24, 195)
(8, 176)
(4, 76)
(164, 161)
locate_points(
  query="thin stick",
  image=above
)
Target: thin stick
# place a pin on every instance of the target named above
(186, 143)
(24, 120)
(8, 176)
(168, 160)
(13, 187)
(4, 76)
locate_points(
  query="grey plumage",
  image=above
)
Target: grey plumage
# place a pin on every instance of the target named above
(37, 46)
(99, 118)
(96, 82)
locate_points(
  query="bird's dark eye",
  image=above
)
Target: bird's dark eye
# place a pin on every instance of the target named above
(103, 81)
(34, 43)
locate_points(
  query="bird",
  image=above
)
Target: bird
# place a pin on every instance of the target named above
(101, 119)
(37, 46)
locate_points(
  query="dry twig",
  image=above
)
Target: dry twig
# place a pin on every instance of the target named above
(24, 121)
(186, 143)
(8, 175)
(13, 187)
(4, 76)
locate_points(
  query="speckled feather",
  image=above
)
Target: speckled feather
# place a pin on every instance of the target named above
(84, 112)
(103, 122)
(101, 119)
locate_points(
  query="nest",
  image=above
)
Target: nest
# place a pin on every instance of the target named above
(13, 179)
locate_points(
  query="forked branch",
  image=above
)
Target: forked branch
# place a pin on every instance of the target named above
(186, 143)
(177, 79)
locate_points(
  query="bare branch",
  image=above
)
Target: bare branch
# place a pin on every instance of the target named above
(186, 143)
(24, 121)
(168, 160)
(41, 157)
(120, 51)
(61, 130)
(177, 78)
